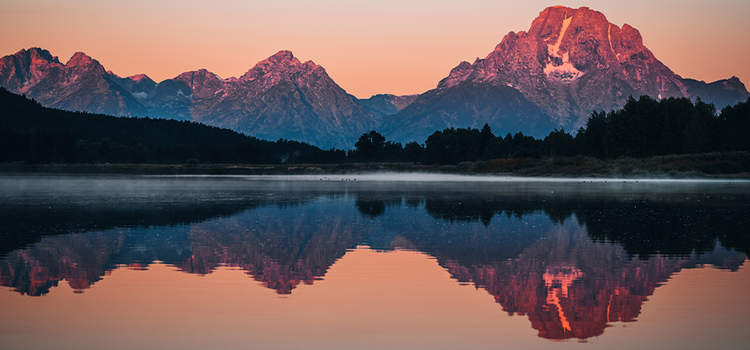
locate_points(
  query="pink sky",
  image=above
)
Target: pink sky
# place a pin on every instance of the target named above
(368, 47)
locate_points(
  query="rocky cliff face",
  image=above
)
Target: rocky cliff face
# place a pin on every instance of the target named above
(81, 84)
(386, 104)
(24, 69)
(569, 63)
(279, 97)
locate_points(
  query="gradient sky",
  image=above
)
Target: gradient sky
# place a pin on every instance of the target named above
(367, 47)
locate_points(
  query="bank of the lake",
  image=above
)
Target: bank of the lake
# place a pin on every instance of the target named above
(707, 165)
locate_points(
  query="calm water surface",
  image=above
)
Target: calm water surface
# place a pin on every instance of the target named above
(372, 262)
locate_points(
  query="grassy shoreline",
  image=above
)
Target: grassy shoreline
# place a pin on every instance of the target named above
(707, 165)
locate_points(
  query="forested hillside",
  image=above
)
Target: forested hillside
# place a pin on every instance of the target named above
(32, 133)
(643, 128)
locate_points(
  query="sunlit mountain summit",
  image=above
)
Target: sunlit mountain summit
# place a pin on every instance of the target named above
(569, 63)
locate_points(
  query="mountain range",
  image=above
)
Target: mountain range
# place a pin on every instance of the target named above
(570, 62)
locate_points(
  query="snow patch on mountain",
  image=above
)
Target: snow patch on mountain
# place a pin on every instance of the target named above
(559, 66)
(554, 49)
(140, 95)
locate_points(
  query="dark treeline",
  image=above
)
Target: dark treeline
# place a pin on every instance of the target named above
(648, 127)
(35, 134)
(643, 128)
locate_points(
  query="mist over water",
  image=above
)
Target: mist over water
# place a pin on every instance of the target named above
(435, 177)
(564, 258)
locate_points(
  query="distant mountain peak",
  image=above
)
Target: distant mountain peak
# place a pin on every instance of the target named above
(203, 72)
(138, 77)
(280, 66)
(37, 53)
(283, 56)
(566, 53)
(80, 59)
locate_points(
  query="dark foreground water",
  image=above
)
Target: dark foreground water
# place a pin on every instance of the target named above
(372, 262)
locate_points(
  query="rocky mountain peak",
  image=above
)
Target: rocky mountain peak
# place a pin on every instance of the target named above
(282, 57)
(139, 77)
(280, 66)
(734, 83)
(195, 73)
(202, 82)
(80, 59)
(25, 68)
(561, 45)
(39, 54)
(574, 55)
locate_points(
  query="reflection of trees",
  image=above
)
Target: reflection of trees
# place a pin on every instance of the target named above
(468, 209)
(24, 225)
(643, 226)
(370, 208)
(646, 227)
(373, 206)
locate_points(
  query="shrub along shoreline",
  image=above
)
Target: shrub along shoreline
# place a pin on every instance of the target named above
(699, 166)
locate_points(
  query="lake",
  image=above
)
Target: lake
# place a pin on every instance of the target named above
(372, 261)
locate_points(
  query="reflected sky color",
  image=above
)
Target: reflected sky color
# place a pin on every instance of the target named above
(233, 262)
(368, 47)
(368, 300)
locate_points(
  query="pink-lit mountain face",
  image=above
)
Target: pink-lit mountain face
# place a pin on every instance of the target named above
(571, 62)
(279, 97)
(81, 84)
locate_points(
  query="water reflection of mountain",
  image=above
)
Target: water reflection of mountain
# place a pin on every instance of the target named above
(568, 263)
(570, 286)
(279, 248)
(83, 259)
(280, 245)
(572, 264)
